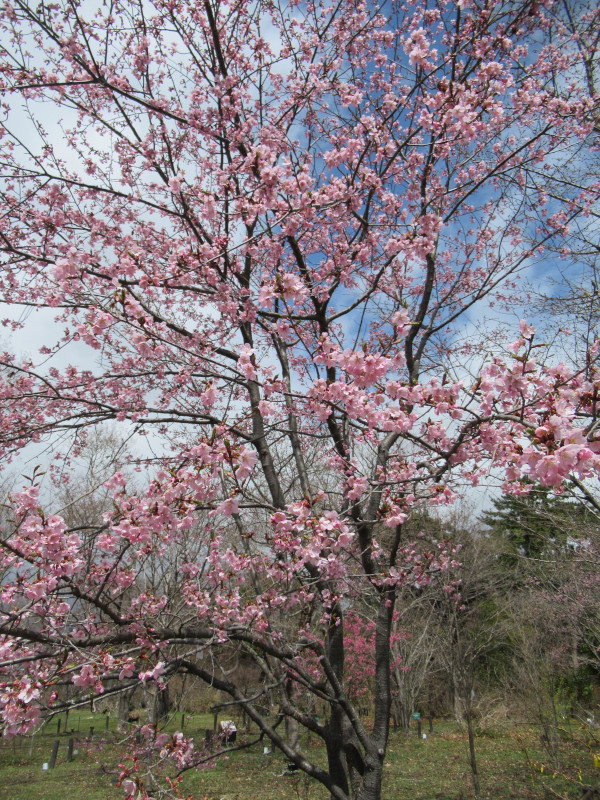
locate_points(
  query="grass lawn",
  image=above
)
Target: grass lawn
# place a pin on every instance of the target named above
(512, 765)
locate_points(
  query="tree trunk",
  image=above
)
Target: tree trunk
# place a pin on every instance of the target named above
(123, 702)
(403, 708)
(292, 732)
(161, 704)
(356, 772)
(372, 773)
(472, 759)
(334, 738)
(336, 763)
(462, 680)
(371, 783)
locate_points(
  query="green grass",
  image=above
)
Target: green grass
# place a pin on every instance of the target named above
(510, 763)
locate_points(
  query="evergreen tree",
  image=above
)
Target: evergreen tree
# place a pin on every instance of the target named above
(539, 524)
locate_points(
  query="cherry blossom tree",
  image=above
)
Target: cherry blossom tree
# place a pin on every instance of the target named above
(270, 237)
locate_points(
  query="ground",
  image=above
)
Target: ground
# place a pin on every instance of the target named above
(512, 764)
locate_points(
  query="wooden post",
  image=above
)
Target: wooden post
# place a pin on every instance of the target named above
(91, 730)
(107, 721)
(182, 720)
(431, 723)
(419, 729)
(70, 751)
(54, 754)
(216, 714)
(58, 727)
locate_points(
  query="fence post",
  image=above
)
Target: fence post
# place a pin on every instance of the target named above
(54, 754)
(70, 751)
(58, 727)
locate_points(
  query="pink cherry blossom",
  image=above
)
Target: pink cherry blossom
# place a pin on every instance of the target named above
(279, 278)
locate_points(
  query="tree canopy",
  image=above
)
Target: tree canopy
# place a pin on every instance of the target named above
(272, 239)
